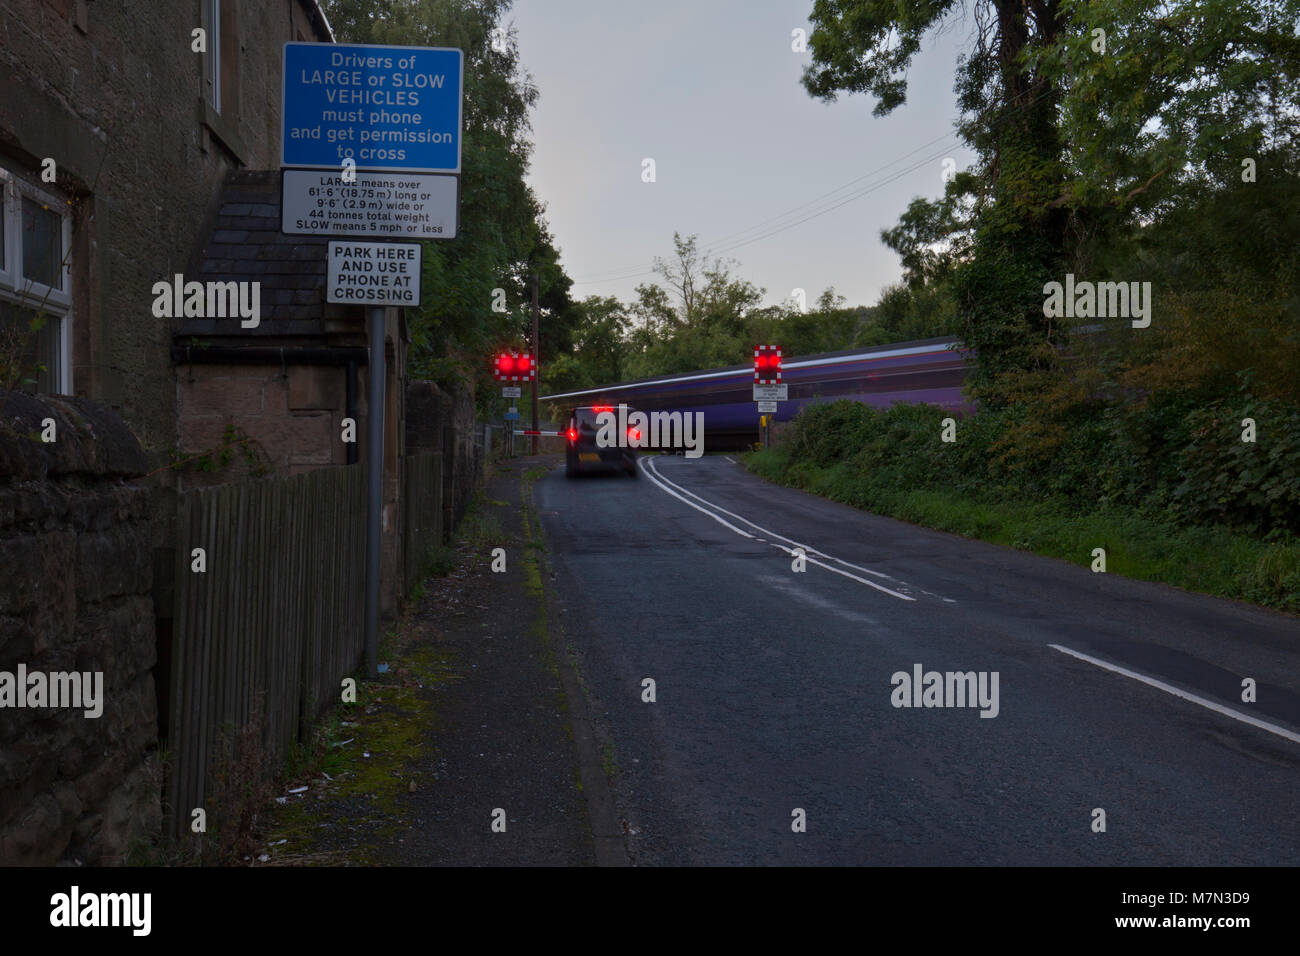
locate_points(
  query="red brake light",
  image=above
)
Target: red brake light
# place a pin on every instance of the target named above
(634, 434)
(572, 433)
(602, 408)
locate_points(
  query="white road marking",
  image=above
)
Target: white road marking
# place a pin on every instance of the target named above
(663, 484)
(808, 549)
(654, 476)
(1185, 695)
(729, 458)
(870, 584)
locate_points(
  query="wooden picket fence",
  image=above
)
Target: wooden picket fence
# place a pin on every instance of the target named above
(265, 634)
(423, 523)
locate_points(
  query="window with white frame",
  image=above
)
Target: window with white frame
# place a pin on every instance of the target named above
(35, 287)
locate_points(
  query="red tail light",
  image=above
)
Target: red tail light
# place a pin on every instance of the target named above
(602, 408)
(572, 434)
(634, 434)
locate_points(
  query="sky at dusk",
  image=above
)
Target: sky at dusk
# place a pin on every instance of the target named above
(710, 90)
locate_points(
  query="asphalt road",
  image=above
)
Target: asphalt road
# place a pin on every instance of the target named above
(775, 691)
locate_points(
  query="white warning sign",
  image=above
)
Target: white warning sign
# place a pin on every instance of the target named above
(374, 273)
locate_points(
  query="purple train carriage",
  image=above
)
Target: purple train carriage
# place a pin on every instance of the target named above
(928, 370)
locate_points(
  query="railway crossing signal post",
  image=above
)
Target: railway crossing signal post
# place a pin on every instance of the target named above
(768, 388)
(511, 367)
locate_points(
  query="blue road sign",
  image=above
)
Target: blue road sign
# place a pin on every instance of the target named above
(512, 415)
(388, 108)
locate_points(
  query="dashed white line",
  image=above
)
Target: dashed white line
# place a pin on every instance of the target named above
(870, 584)
(1185, 695)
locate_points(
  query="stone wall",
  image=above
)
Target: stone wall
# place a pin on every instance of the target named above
(75, 596)
(116, 96)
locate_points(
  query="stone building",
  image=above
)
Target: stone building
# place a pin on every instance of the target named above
(116, 135)
(140, 141)
(286, 387)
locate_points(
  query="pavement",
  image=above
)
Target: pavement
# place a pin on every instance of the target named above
(466, 751)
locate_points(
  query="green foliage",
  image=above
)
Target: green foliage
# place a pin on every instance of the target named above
(234, 442)
(1123, 160)
(1170, 459)
(902, 470)
(440, 561)
(1184, 92)
(1255, 485)
(997, 230)
(910, 312)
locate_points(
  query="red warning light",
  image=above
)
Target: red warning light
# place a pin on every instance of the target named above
(509, 367)
(767, 365)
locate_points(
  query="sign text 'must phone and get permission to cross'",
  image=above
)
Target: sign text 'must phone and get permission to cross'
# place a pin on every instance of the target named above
(371, 140)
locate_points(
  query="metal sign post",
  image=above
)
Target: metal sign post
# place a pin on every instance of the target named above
(374, 484)
(537, 351)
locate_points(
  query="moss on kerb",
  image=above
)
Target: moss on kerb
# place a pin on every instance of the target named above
(534, 563)
(534, 548)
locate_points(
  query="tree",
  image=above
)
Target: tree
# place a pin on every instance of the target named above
(600, 337)
(1009, 119)
(1091, 119)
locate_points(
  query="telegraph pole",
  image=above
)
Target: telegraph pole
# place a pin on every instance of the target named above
(537, 364)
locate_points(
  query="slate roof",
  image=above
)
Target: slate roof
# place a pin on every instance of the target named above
(243, 242)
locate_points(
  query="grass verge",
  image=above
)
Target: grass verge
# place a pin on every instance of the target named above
(1210, 560)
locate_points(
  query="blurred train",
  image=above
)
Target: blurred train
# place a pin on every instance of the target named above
(928, 370)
